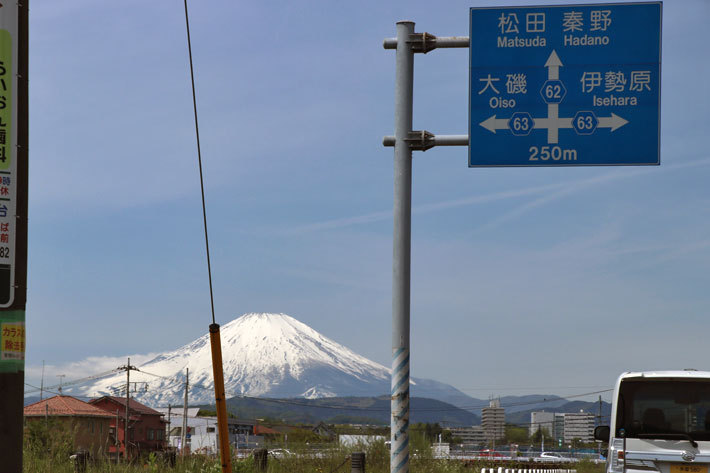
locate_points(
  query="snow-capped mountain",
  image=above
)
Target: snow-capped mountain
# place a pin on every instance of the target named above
(265, 355)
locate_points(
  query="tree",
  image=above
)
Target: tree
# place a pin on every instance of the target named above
(538, 436)
(516, 434)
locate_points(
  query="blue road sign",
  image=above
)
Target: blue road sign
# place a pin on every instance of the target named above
(568, 85)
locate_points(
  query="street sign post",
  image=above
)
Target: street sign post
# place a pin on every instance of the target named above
(13, 226)
(565, 85)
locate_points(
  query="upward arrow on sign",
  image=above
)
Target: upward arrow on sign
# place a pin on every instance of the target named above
(553, 65)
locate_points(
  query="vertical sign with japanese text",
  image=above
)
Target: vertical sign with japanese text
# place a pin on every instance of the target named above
(565, 85)
(8, 151)
(14, 124)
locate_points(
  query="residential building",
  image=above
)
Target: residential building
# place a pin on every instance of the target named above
(579, 425)
(146, 426)
(324, 431)
(493, 421)
(88, 425)
(469, 436)
(202, 434)
(542, 420)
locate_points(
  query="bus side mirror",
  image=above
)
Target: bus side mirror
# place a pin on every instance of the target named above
(602, 433)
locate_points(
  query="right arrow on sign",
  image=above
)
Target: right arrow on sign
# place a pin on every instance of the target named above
(614, 122)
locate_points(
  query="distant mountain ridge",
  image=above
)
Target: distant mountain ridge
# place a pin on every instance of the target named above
(360, 410)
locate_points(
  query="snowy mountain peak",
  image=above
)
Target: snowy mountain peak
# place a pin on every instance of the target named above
(263, 354)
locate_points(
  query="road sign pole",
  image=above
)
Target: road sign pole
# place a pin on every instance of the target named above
(401, 255)
(13, 225)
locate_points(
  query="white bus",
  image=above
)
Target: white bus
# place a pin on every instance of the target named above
(660, 423)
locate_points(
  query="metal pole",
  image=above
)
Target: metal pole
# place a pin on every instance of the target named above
(183, 440)
(437, 42)
(115, 431)
(435, 140)
(167, 435)
(128, 393)
(403, 92)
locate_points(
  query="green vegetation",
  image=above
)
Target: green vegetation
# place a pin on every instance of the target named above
(518, 435)
(377, 462)
(48, 446)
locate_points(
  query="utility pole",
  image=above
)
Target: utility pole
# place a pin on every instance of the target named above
(41, 384)
(128, 399)
(128, 369)
(167, 434)
(183, 440)
(115, 432)
(599, 418)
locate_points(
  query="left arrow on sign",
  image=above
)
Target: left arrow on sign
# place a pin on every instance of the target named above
(493, 124)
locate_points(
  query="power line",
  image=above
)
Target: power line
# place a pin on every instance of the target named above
(199, 162)
(74, 382)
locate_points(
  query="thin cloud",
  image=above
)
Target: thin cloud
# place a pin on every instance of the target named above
(422, 209)
(578, 186)
(562, 189)
(77, 370)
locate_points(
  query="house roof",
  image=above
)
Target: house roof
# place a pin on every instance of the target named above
(64, 406)
(133, 405)
(260, 430)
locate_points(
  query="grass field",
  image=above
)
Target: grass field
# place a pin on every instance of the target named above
(377, 461)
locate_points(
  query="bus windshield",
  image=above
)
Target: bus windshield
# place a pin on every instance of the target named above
(672, 409)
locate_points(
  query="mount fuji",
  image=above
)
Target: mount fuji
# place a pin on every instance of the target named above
(264, 355)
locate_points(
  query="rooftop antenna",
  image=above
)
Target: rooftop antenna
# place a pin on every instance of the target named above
(41, 385)
(60, 376)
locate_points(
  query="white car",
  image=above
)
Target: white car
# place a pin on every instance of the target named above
(553, 457)
(280, 453)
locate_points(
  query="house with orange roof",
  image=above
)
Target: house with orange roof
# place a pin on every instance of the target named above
(88, 425)
(146, 426)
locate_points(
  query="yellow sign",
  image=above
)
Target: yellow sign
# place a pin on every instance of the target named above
(12, 338)
(689, 468)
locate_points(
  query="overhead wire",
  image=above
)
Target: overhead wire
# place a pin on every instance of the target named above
(73, 382)
(199, 161)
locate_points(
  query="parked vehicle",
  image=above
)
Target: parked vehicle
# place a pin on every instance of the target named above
(488, 453)
(660, 423)
(280, 453)
(553, 457)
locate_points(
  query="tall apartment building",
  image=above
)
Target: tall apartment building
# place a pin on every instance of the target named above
(558, 429)
(579, 425)
(542, 420)
(493, 421)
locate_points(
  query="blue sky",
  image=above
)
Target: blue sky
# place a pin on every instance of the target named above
(523, 280)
